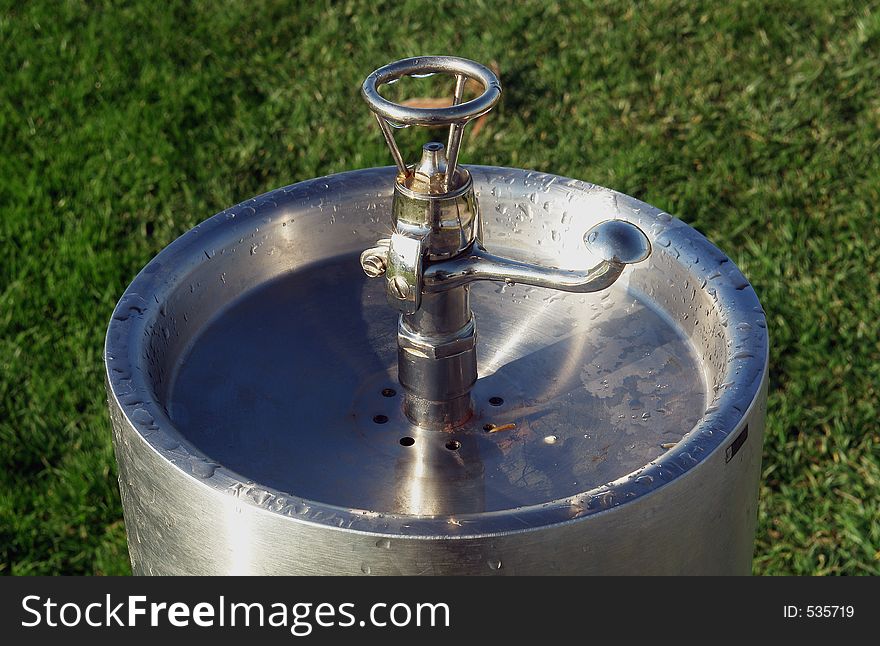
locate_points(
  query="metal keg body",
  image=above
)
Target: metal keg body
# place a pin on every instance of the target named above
(270, 416)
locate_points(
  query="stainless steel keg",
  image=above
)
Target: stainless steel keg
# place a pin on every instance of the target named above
(438, 369)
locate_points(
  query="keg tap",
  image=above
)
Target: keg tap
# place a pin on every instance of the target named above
(435, 251)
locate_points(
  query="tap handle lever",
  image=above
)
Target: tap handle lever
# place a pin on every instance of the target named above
(614, 244)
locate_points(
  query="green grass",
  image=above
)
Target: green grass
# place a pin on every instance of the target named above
(756, 122)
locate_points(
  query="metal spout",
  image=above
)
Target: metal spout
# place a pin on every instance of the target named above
(429, 175)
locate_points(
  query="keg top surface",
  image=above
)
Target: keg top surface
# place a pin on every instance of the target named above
(254, 356)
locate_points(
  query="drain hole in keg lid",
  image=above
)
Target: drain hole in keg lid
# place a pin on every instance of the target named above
(407, 441)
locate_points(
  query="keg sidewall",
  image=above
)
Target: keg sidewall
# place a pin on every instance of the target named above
(700, 523)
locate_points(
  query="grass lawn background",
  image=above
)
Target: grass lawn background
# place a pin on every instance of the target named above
(124, 124)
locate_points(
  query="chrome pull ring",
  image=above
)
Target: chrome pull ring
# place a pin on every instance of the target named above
(462, 68)
(456, 116)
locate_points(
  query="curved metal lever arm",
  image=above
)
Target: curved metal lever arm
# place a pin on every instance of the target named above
(482, 265)
(615, 243)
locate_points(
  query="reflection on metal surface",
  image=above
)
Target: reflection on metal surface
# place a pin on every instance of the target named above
(561, 373)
